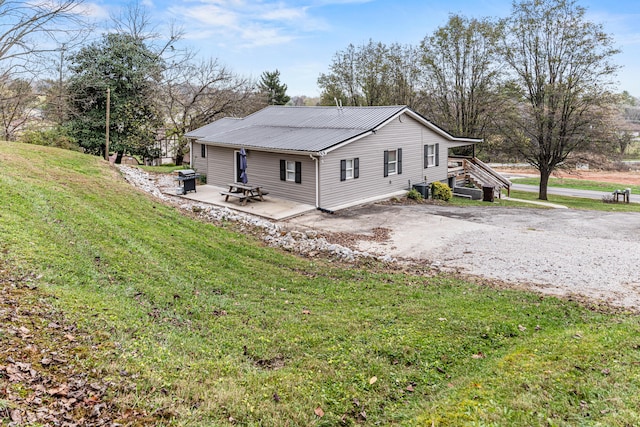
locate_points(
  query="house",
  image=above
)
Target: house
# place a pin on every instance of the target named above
(329, 157)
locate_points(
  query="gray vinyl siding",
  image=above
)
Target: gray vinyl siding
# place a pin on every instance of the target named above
(221, 164)
(407, 134)
(199, 163)
(263, 169)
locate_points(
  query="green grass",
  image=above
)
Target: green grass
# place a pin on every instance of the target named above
(578, 203)
(202, 323)
(579, 184)
(163, 168)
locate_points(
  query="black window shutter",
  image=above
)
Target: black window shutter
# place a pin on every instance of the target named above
(203, 151)
(386, 163)
(343, 170)
(399, 157)
(426, 156)
(437, 154)
(298, 172)
(356, 168)
(283, 170)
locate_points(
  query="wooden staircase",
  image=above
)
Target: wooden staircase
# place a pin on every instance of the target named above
(470, 170)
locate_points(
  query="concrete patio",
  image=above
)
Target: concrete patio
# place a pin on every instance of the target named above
(271, 208)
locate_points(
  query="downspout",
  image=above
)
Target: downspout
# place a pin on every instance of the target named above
(317, 180)
(191, 153)
(317, 157)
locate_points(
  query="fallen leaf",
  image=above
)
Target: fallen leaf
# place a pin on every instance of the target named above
(16, 416)
(522, 328)
(306, 311)
(478, 355)
(276, 398)
(409, 388)
(70, 337)
(319, 412)
(605, 371)
(442, 319)
(62, 390)
(373, 380)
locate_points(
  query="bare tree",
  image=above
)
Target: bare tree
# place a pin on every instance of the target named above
(561, 67)
(371, 74)
(193, 95)
(462, 75)
(17, 105)
(24, 25)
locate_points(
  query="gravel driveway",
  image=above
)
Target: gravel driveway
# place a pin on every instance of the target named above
(561, 252)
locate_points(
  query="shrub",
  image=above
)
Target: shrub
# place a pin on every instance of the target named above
(441, 191)
(55, 137)
(415, 195)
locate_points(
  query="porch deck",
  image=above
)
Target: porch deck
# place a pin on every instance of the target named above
(272, 208)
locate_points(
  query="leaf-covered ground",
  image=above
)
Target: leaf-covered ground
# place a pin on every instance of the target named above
(45, 365)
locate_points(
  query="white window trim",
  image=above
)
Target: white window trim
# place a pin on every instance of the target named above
(431, 155)
(291, 171)
(393, 163)
(349, 169)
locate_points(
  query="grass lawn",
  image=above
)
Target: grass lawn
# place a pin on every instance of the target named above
(579, 203)
(201, 325)
(163, 168)
(579, 184)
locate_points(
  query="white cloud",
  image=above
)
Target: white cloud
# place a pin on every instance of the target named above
(249, 23)
(92, 10)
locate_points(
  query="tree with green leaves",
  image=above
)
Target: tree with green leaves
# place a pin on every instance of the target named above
(462, 76)
(125, 65)
(561, 70)
(274, 91)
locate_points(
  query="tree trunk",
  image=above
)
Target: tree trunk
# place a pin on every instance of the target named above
(544, 183)
(180, 155)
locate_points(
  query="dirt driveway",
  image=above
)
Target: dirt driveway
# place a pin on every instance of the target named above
(561, 252)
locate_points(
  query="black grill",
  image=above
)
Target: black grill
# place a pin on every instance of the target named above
(188, 179)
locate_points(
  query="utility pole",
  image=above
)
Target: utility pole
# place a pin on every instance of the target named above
(106, 149)
(60, 87)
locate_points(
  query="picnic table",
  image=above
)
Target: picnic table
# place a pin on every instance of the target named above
(624, 193)
(244, 192)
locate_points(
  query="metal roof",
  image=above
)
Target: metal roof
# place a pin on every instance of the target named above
(307, 129)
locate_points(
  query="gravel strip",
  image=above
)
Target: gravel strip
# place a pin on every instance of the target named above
(307, 242)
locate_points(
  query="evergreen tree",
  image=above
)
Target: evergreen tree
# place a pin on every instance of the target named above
(274, 90)
(124, 64)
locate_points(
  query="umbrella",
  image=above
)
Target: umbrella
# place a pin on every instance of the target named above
(243, 166)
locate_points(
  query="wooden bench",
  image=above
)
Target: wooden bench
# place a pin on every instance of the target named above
(241, 196)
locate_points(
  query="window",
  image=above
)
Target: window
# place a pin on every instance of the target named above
(291, 171)
(431, 155)
(393, 162)
(349, 169)
(203, 151)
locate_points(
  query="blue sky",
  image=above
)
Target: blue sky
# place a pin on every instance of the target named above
(299, 38)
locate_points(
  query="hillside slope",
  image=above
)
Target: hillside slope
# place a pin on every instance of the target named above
(183, 322)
